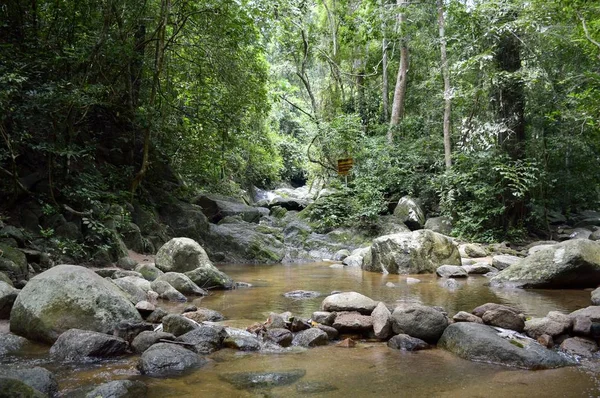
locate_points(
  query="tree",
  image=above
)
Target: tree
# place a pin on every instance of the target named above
(402, 76)
(447, 87)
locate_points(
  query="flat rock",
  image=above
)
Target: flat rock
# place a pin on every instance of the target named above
(37, 378)
(349, 301)
(164, 359)
(504, 318)
(119, 389)
(78, 345)
(259, 380)
(314, 387)
(463, 316)
(353, 321)
(580, 346)
(451, 271)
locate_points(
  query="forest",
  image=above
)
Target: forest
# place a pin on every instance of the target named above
(487, 111)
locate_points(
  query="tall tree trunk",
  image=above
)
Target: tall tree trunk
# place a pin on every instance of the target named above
(384, 65)
(447, 88)
(400, 90)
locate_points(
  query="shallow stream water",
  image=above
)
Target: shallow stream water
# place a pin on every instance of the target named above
(370, 369)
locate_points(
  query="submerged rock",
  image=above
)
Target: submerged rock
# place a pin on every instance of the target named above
(255, 380)
(67, 297)
(10, 343)
(78, 345)
(164, 359)
(119, 389)
(482, 343)
(11, 387)
(302, 294)
(37, 378)
(314, 387)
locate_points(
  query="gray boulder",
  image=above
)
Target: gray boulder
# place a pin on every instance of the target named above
(216, 207)
(167, 292)
(38, 378)
(8, 295)
(131, 290)
(182, 283)
(147, 339)
(479, 269)
(241, 340)
(283, 337)
(409, 211)
(451, 271)
(416, 252)
(13, 263)
(164, 359)
(422, 322)
(149, 271)
(503, 261)
(11, 387)
(205, 339)
(482, 309)
(340, 255)
(310, 338)
(67, 297)
(80, 345)
(571, 264)
(595, 298)
(441, 225)
(473, 250)
(184, 219)
(119, 389)
(404, 342)
(482, 343)
(504, 318)
(209, 277)
(9, 343)
(580, 346)
(178, 324)
(181, 255)
(349, 301)
(554, 324)
(323, 317)
(463, 316)
(140, 283)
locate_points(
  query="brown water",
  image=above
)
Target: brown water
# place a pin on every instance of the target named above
(370, 369)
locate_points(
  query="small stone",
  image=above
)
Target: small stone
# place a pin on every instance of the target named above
(463, 316)
(346, 343)
(546, 341)
(145, 308)
(299, 325)
(323, 317)
(190, 308)
(332, 332)
(412, 281)
(405, 342)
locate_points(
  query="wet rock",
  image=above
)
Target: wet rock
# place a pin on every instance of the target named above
(412, 281)
(463, 316)
(353, 321)
(258, 380)
(332, 332)
(275, 321)
(38, 378)
(310, 338)
(209, 277)
(204, 314)
(167, 292)
(482, 309)
(346, 343)
(283, 337)
(119, 389)
(570, 264)
(67, 297)
(134, 293)
(314, 387)
(182, 283)
(301, 294)
(580, 346)
(419, 321)
(8, 295)
(503, 261)
(414, 252)
(350, 301)
(299, 324)
(164, 359)
(323, 317)
(157, 316)
(382, 321)
(78, 345)
(553, 325)
(504, 318)
(10, 343)
(146, 339)
(149, 271)
(205, 339)
(11, 387)
(181, 255)
(479, 269)
(128, 330)
(482, 343)
(145, 308)
(451, 271)
(582, 326)
(178, 324)
(405, 342)
(242, 342)
(409, 211)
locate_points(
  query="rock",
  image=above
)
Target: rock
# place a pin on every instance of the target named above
(119, 389)
(292, 204)
(546, 341)
(419, 321)
(595, 298)
(4, 278)
(340, 255)
(538, 248)
(8, 295)
(349, 301)
(553, 325)
(482, 343)
(479, 269)
(346, 343)
(149, 271)
(275, 321)
(127, 263)
(354, 261)
(314, 387)
(382, 321)
(570, 264)
(167, 292)
(124, 274)
(503, 261)
(130, 289)
(38, 378)
(80, 345)
(216, 207)
(283, 337)
(323, 317)
(246, 342)
(182, 283)
(184, 219)
(299, 324)
(451, 271)
(504, 318)
(332, 332)
(310, 338)
(580, 346)
(412, 253)
(178, 324)
(412, 281)
(582, 326)
(157, 316)
(205, 339)
(592, 313)
(204, 314)
(9, 343)
(352, 321)
(301, 294)
(259, 380)
(13, 263)
(165, 359)
(10, 387)
(141, 283)
(146, 339)
(181, 255)
(463, 316)
(209, 277)
(482, 309)
(405, 342)
(129, 330)
(473, 250)
(145, 308)
(441, 225)
(410, 213)
(67, 297)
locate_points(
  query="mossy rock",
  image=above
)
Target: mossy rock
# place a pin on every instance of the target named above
(16, 388)
(13, 263)
(5, 278)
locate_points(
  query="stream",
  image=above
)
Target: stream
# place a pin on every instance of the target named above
(369, 369)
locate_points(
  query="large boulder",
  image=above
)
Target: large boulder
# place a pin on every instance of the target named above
(482, 343)
(570, 264)
(415, 252)
(209, 277)
(181, 255)
(349, 301)
(185, 219)
(182, 283)
(217, 207)
(67, 297)
(8, 295)
(422, 322)
(410, 212)
(80, 345)
(13, 263)
(165, 359)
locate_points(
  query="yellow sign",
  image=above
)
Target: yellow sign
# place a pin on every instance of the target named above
(344, 166)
